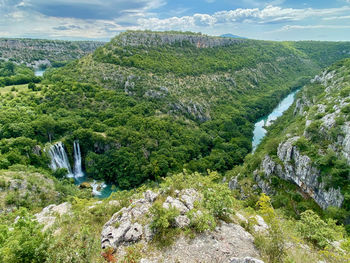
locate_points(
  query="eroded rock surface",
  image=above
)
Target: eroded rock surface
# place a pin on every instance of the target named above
(221, 245)
(300, 170)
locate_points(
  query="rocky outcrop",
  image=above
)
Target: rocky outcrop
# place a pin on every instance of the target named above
(124, 227)
(157, 38)
(49, 214)
(300, 170)
(132, 224)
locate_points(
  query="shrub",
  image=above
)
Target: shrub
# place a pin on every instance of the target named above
(60, 173)
(313, 229)
(272, 245)
(218, 200)
(163, 221)
(31, 86)
(26, 243)
(201, 221)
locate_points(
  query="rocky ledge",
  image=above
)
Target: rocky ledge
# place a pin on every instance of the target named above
(229, 242)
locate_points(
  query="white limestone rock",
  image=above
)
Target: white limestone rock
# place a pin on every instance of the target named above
(182, 221)
(176, 203)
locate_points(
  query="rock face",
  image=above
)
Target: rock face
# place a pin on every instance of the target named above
(346, 141)
(120, 229)
(156, 39)
(300, 170)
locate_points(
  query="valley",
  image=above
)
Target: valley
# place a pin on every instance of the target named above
(174, 146)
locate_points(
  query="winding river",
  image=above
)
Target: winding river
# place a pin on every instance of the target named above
(259, 130)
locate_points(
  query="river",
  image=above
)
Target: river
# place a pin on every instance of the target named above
(259, 130)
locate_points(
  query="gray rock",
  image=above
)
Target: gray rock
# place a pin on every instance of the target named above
(188, 197)
(112, 237)
(261, 225)
(176, 203)
(233, 183)
(346, 141)
(246, 260)
(150, 196)
(134, 233)
(241, 218)
(148, 233)
(221, 245)
(182, 221)
(114, 203)
(155, 39)
(120, 229)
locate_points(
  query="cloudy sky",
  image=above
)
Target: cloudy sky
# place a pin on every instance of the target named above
(103, 19)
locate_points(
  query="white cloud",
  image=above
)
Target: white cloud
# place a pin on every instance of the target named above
(20, 18)
(291, 27)
(269, 14)
(336, 17)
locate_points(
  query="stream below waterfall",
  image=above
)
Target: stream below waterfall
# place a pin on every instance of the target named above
(259, 127)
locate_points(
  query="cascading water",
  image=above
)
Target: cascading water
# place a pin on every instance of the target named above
(78, 171)
(97, 188)
(59, 158)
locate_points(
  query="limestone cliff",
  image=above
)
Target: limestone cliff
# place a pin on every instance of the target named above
(138, 38)
(314, 148)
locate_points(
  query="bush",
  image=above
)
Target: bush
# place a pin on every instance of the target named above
(31, 86)
(218, 200)
(313, 229)
(25, 243)
(162, 224)
(272, 245)
(162, 218)
(201, 221)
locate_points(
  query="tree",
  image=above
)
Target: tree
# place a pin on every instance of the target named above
(32, 86)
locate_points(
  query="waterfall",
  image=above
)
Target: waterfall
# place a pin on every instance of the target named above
(78, 171)
(59, 158)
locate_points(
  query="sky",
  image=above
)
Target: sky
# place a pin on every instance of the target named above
(103, 19)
